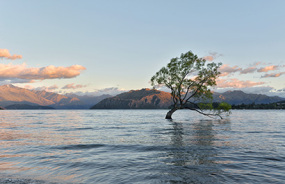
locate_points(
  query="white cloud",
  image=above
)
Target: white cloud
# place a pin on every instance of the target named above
(110, 91)
(73, 86)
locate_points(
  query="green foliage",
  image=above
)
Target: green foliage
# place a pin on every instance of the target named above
(189, 78)
(277, 105)
(224, 106)
(208, 106)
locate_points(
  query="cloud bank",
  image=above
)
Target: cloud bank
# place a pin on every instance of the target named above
(273, 75)
(46, 88)
(236, 83)
(4, 53)
(73, 86)
(110, 91)
(21, 71)
(226, 70)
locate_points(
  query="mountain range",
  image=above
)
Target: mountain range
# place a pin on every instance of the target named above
(12, 97)
(154, 99)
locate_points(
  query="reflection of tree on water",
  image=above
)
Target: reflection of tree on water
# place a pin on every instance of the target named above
(191, 156)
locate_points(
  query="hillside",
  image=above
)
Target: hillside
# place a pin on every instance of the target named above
(137, 99)
(12, 95)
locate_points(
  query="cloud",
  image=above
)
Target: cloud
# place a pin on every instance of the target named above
(13, 81)
(225, 69)
(110, 91)
(273, 75)
(212, 56)
(208, 58)
(248, 70)
(42, 88)
(258, 63)
(268, 68)
(4, 53)
(236, 83)
(73, 86)
(21, 71)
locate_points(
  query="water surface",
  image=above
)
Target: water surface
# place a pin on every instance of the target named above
(140, 146)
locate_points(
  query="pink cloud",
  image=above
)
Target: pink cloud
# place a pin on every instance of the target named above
(4, 53)
(273, 75)
(73, 86)
(236, 83)
(225, 69)
(212, 56)
(21, 71)
(257, 63)
(268, 68)
(208, 58)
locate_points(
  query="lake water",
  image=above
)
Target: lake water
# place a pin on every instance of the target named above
(140, 146)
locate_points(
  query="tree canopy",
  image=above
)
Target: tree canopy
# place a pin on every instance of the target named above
(189, 78)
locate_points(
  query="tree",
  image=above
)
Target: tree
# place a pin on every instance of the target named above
(189, 78)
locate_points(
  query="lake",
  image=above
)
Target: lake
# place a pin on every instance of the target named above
(140, 146)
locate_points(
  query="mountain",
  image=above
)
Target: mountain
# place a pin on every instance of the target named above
(26, 106)
(154, 99)
(134, 99)
(137, 99)
(10, 95)
(88, 100)
(239, 97)
(61, 101)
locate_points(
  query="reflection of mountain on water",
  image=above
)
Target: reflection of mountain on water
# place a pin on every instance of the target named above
(191, 158)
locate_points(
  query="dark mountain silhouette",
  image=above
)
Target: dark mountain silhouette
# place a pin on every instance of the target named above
(26, 106)
(88, 100)
(137, 99)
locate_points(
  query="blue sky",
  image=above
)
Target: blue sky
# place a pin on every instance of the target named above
(121, 44)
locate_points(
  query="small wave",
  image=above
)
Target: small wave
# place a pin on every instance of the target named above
(279, 159)
(79, 146)
(86, 128)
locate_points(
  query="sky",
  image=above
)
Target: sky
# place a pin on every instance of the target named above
(109, 46)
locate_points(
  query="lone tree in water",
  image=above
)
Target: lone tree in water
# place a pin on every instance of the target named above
(189, 78)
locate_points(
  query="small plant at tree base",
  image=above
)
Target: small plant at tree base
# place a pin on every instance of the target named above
(189, 78)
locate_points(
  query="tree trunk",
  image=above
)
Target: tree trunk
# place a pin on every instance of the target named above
(169, 114)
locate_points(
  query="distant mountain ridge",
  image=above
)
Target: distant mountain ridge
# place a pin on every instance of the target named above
(26, 106)
(239, 97)
(155, 99)
(134, 99)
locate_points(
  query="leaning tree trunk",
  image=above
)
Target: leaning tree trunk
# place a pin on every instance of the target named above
(169, 114)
